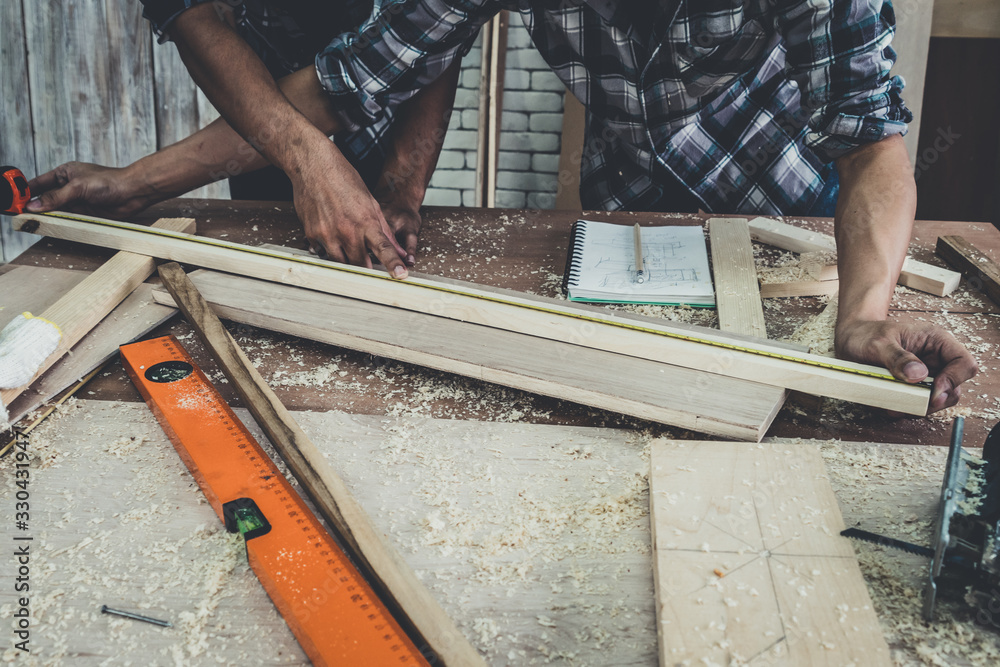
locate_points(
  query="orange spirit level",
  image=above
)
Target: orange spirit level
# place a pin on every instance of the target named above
(326, 602)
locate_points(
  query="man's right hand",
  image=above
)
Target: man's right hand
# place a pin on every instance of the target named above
(91, 189)
(340, 217)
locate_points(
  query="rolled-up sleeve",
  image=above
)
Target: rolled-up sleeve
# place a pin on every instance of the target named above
(162, 13)
(404, 46)
(839, 54)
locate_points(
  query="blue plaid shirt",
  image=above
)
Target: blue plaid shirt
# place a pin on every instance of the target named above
(744, 102)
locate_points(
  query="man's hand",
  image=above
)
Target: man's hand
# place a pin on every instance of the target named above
(91, 189)
(911, 353)
(404, 221)
(341, 219)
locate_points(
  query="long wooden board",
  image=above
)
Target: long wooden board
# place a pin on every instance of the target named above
(915, 275)
(394, 582)
(737, 296)
(748, 562)
(546, 318)
(645, 389)
(35, 288)
(981, 271)
(80, 309)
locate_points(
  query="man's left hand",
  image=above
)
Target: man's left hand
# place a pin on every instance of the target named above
(404, 221)
(911, 353)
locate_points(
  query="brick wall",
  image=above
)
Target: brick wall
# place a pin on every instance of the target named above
(531, 125)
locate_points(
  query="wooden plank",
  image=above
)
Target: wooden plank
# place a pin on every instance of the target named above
(35, 288)
(981, 271)
(645, 389)
(546, 318)
(966, 18)
(396, 585)
(491, 87)
(915, 275)
(17, 147)
(737, 297)
(571, 153)
(748, 559)
(78, 311)
(799, 288)
(912, 43)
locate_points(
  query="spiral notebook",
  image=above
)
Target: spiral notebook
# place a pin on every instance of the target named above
(601, 267)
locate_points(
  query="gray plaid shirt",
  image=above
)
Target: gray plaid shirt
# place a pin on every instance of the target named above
(742, 101)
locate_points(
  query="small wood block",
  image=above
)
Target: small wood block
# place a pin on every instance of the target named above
(765, 518)
(928, 278)
(799, 288)
(737, 297)
(789, 237)
(981, 271)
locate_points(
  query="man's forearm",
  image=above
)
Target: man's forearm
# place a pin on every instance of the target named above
(874, 219)
(253, 104)
(418, 134)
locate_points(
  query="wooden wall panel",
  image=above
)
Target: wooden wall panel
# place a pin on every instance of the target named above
(913, 34)
(16, 146)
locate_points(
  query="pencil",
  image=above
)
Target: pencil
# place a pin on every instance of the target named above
(639, 267)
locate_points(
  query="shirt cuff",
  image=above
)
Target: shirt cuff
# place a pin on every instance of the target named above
(161, 14)
(859, 121)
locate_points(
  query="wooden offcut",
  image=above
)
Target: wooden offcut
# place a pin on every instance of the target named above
(799, 288)
(981, 271)
(658, 392)
(915, 275)
(749, 566)
(394, 582)
(737, 297)
(80, 309)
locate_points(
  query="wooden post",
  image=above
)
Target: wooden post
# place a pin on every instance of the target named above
(491, 78)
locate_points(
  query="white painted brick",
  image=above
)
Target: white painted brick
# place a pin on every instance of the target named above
(518, 36)
(510, 199)
(441, 197)
(532, 101)
(470, 119)
(517, 180)
(546, 122)
(526, 59)
(460, 140)
(469, 99)
(530, 142)
(514, 121)
(469, 78)
(545, 163)
(468, 197)
(451, 160)
(546, 81)
(517, 79)
(470, 160)
(514, 161)
(456, 178)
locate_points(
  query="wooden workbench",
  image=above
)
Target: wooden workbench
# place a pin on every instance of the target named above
(526, 250)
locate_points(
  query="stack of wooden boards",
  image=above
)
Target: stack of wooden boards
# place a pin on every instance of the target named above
(713, 382)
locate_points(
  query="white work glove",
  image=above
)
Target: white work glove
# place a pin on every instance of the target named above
(25, 344)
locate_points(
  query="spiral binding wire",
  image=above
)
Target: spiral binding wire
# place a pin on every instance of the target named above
(574, 258)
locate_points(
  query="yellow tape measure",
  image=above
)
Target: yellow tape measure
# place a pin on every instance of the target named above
(819, 362)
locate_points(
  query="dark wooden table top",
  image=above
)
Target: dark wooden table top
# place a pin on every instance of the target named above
(526, 250)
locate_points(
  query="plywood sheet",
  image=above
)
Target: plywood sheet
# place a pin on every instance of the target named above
(749, 562)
